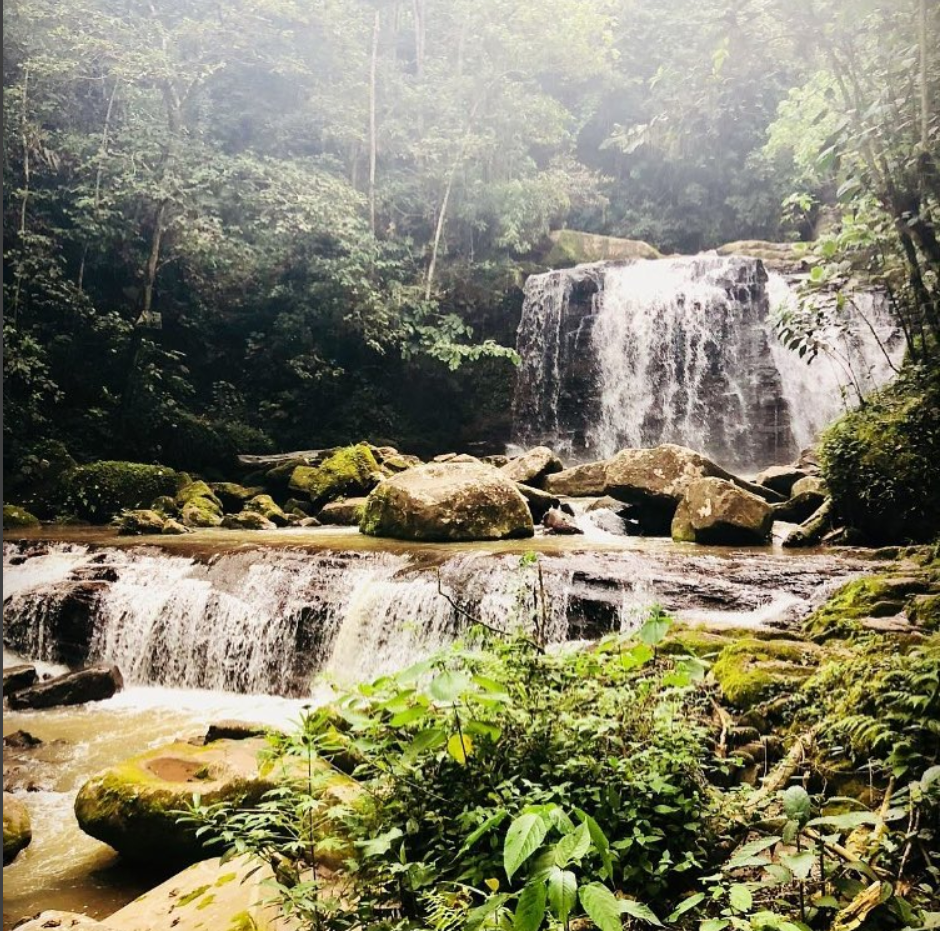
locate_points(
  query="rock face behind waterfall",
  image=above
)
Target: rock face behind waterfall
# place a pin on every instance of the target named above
(679, 350)
(448, 502)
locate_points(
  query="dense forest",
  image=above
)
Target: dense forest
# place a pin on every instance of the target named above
(249, 225)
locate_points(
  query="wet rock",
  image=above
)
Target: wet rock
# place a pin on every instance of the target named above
(55, 920)
(539, 501)
(350, 471)
(714, 511)
(235, 730)
(21, 740)
(140, 522)
(16, 678)
(247, 520)
(581, 481)
(74, 688)
(199, 506)
(233, 496)
(309, 522)
(810, 484)
(17, 832)
(780, 478)
(557, 522)
(347, 513)
(799, 507)
(265, 505)
(447, 502)
(174, 528)
(533, 467)
(812, 530)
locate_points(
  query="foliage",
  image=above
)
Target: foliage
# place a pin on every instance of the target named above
(881, 462)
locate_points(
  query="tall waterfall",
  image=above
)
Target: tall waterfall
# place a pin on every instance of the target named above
(267, 620)
(681, 350)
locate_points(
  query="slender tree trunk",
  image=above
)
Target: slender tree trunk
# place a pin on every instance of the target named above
(418, 16)
(923, 70)
(372, 123)
(24, 137)
(153, 260)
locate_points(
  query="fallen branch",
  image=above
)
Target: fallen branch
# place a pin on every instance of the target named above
(785, 769)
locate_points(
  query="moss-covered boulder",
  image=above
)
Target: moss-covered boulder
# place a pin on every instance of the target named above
(348, 472)
(247, 520)
(265, 505)
(714, 511)
(98, 491)
(233, 496)
(17, 832)
(449, 502)
(16, 517)
(348, 512)
(140, 522)
(751, 670)
(572, 247)
(780, 256)
(199, 506)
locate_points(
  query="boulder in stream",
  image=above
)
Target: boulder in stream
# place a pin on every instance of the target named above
(17, 832)
(17, 678)
(780, 478)
(539, 501)
(557, 521)
(95, 683)
(347, 512)
(447, 502)
(140, 522)
(715, 511)
(247, 520)
(582, 481)
(533, 467)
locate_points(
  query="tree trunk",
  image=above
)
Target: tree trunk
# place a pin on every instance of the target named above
(153, 259)
(24, 137)
(418, 15)
(372, 123)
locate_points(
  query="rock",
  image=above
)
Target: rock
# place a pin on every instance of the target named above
(444, 457)
(607, 503)
(497, 460)
(295, 505)
(810, 485)
(21, 740)
(714, 511)
(799, 507)
(557, 522)
(779, 256)
(16, 828)
(95, 683)
(134, 806)
(174, 528)
(233, 496)
(16, 678)
(55, 920)
(809, 461)
(399, 463)
(350, 471)
(265, 505)
(247, 520)
(572, 247)
(348, 512)
(750, 671)
(923, 611)
(135, 523)
(539, 501)
(812, 530)
(533, 467)
(199, 507)
(309, 522)
(581, 481)
(235, 730)
(780, 478)
(165, 506)
(447, 502)
(16, 517)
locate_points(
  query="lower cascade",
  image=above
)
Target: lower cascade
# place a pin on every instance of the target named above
(682, 350)
(268, 620)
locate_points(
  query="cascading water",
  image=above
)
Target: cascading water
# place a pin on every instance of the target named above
(681, 350)
(268, 620)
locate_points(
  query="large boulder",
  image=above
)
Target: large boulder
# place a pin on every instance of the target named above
(533, 466)
(247, 520)
(780, 478)
(15, 518)
(265, 505)
(717, 512)
(447, 502)
(17, 832)
(135, 806)
(74, 688)
(140, 522)
(349, 471)
(233, 496)
(347, 512)
(582, 481)
(199, 506)
(558, 522)
(17, 678)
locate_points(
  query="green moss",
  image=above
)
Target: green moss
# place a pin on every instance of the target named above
(14, 516)
(572, 247)
(925, 611)
(347, 472)
(197, 491)
(192, 896)
(265, 505)
(242, 922)
(99, 490)
(703, 641)
(751, 671)
(226, 878)
(206, 902)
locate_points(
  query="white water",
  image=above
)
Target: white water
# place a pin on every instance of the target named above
(683, 350)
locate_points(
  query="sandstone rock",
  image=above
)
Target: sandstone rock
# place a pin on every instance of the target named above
(233, 496)
(400, 463)
(174, 528)
(715, 511)
(447, 502)
(780, 478)
(265, 505)
(16, 678)
(581, 481)
(557, 522)
(16, 828)
(247, 520)
(533, 467)
(21, 740)
(810, 484)
(497, 460)
(444, 457)
(347, 512)
(309, 522)
(539, 501)
(95, 683)
(133, 523)
(201, 512)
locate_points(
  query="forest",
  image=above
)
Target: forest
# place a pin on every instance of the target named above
(471, 465)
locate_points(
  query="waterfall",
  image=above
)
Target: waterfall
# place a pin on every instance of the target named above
(682, 350)
(269, 620)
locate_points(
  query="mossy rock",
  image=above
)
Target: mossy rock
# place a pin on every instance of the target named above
(706, 642)
(923, 611)
(752, 671)
(348, 472)
(265, 505)
(17, 832)
(140, 522)
(247, 520)
(347, 512)
(166, 506)
(98, 491)
(195, 490)
(15, 517)
(572, 247)
(233, 496)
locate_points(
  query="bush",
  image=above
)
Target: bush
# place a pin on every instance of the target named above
(881, 463)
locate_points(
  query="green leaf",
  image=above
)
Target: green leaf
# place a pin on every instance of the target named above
(745, 855)
(654, 629)
(429, 739)
(493, 821)
(477, 916)
(847, 821)
(531, 907)
(407, 716)
(740, 897)
(691, 901)
(600, 841)
(601, 906)
(381, 844)
(714, 924)
(460, 747)
(800, 864)
(573, 846)
(797, 804)
(640, 911)
(563, 887)
(636, 656)
(449, 686)
(523, 838)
